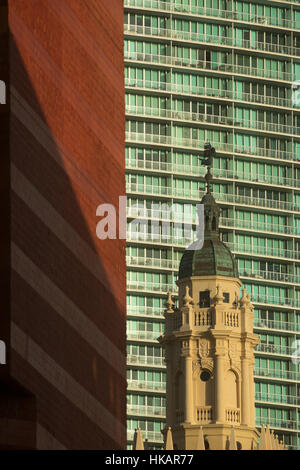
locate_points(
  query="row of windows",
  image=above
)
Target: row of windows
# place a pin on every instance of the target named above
(145, 425)
(148, 351)
(238, 141)
(215, 57)
(146, 375)
(150, 326)
(275, 389)
(146, 301)
(179, 106)
(150, 278)
(197, 83)
(275, 413)
(218, 188)
(146, 400)
(275, 364)
(198, 30)
(276, 316)
(251, 9)
(191, 160)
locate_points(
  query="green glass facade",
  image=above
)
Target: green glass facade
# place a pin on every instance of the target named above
(218, 71)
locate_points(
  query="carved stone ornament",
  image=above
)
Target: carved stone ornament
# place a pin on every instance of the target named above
(203, 348)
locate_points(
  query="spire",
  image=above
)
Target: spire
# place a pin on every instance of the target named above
(200, 442)
(138, 440)
(211, 209)
(169, 440)
(232, 440)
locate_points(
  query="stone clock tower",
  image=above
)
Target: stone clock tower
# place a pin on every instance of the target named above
(209, 343)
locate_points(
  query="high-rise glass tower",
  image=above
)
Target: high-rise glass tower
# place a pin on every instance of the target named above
(222, 71)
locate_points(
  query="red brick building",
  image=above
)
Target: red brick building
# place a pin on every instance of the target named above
(63, 317)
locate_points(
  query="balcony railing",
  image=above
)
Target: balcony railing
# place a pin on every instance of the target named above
(189, 193)
(197, 170)
(188, 218)
(143, 335)
(212, 119)
(233, 415)
(204, 414)
(270, 276)
(275, 349)
(213, 12)
(277, 374)
(275, 398)
(145, 360)
(141, 410)
(137, 310)
(274, 300)
(248, 71)
(150, 436)
(144, 385)
(208, 92)
(188, 143)
(260, 226)
(150, 286)
(199, 37)
(152, 262)
(276, 422)
(263, 250)
(166, 240)
(276, 324)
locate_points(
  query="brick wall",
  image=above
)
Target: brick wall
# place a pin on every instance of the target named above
(67, 316)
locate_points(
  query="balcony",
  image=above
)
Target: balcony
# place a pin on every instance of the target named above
(259, 226)
(188, 143)
(145, 361)
(167, 60)
(158, 239)
(189, 193)
(233, 415)
(143, 311)
(270, 276)
(257, 250)
(141, 410)
(204, 414)
(277, 422)
(273, 300)
(143, 213)
(143, 385)
(197, 170)
(200, 38)
(276, 349)
(133, 335)
(150, 436)
(213, 12)
(275, 398)
(212, 120)
(208, 92)
(276, 325)
(277, 374)
(152, 262)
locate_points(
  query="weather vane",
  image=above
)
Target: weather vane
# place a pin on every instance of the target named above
(209, 154)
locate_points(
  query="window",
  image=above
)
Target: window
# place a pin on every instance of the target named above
(204, 299)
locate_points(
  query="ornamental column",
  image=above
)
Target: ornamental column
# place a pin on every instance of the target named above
(189, 406)
(219, 392)
(246, 400)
